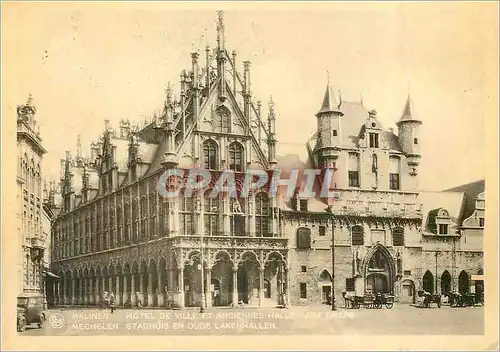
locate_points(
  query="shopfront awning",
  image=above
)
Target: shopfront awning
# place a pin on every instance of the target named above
(50, 274)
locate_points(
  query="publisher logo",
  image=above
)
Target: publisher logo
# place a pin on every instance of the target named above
(56, 321)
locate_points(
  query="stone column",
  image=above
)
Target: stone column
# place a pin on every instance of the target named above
(81, 291)
(86, 291)
(261, 286)
(110, 284)
(133, 298)
(180, 280)
(150, 289)
(97, 296)
(65, 292)
(208, 288)
(141, 287)
(103, 281)
(91, 291)
(118, 297)
(73, 289)
(235, 285)
(161, 289)
(125, 288)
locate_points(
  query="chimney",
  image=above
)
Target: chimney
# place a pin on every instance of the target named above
(106, 125)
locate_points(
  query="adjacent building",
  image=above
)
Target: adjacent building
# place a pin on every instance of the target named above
(30, 212)
(116, 233)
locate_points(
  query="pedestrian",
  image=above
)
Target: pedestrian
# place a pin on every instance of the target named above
(112, 302)
(138, 299)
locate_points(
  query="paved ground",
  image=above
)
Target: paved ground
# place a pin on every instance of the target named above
(316, 320)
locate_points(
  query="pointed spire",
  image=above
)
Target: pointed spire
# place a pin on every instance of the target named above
(409, 112)
(329, 102)
(220, 30)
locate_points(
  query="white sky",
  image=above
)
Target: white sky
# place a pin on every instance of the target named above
(84, 63)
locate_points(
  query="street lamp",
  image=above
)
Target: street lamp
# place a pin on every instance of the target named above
(329, 210)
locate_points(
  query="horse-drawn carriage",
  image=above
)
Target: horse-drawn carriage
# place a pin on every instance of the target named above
(458, 299)
(369, 301)
(427, 299)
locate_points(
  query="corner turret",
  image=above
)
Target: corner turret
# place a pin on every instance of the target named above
(408, 135)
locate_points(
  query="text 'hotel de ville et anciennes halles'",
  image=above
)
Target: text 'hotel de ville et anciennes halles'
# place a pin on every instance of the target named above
(114, 232)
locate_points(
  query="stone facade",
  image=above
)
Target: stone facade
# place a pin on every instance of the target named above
(115, 232)
(29, 200)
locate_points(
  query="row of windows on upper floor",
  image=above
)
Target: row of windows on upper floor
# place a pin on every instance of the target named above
(144, 231)
(130, 230)
(149, 206)
(373, 139)
(357, 235)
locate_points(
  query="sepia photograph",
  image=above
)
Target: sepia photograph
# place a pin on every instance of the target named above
(260, 173)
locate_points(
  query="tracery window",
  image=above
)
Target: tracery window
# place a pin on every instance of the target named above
(210, 156)
(211, 214)
(185, 214)
(262, 215)
(236, 156)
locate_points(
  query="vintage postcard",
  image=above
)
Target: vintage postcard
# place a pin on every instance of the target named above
(246, 176)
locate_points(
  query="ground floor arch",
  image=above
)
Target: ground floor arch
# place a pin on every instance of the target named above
(445, 282)
(428, 282)
(463, 282)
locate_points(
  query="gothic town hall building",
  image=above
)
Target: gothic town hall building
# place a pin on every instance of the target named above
(115, 233)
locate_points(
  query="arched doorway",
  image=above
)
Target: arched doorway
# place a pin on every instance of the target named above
(325, 280)
(428, 282)
(379, 270)
(445, 282)
(407, 292)
(463, 282)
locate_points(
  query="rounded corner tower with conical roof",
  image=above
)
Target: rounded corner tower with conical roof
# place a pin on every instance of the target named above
(329, 129)
(408, 135)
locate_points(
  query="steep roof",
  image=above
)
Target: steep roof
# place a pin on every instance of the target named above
(355, 116)
(471, 190)
(329, 102)
(409, 112)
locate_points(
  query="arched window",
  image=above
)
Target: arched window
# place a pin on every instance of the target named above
(211, 214)
(378, 261)
(303, 238)
(236, 156)
(135, 220)
(261, 215)
(210, 156)
(358, 236)
(144, 217)
(119, 220)
(126, 214)
(152, 215)
(222, 120)
(325, 276)
(185, 214)
(398, 236)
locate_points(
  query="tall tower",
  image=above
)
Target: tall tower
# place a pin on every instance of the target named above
(31, 236)
(329, 130)
(408, 135)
